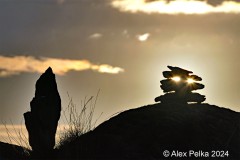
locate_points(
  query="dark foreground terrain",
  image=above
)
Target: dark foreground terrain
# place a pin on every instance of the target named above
(193, 130)
(146, 132)
(9, 151)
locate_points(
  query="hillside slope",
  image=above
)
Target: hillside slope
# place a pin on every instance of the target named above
(10, 151)
(146, 132)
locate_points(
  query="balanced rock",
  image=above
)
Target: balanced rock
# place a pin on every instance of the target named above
(178, 86)
(41, 122)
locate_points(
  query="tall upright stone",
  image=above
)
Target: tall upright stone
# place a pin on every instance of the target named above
(41, 122)
(178, 87)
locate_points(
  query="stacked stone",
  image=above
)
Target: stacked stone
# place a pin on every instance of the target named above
(180, 90)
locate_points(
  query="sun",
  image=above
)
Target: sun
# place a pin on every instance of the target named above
(176, 79)
(190, 80)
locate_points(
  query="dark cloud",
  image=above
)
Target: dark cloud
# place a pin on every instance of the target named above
(218, 2)
(54, 30)
(212, 2)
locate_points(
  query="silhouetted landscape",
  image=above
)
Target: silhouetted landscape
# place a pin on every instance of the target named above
(145, 132)
(119, 79)
(171, 129)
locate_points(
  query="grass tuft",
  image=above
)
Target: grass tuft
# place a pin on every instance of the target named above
(79, 120)
(18, 137)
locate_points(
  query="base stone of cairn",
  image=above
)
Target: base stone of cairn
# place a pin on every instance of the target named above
(41, 122)
(178, 87)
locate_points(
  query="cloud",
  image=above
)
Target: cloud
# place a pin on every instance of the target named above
(175, 6)
(143, 37)
(18, 64)
(95, 36)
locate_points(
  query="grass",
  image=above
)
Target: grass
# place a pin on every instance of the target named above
(19, 139)
(79, 120)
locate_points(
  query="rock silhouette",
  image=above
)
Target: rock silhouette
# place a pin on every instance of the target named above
(146, 132)
(11, 152)
(178, 87)
(41, 122)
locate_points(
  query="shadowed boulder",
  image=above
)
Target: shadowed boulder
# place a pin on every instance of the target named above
(41, 122)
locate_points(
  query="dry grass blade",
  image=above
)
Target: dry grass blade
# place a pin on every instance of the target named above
(79, 120)
(17, 137)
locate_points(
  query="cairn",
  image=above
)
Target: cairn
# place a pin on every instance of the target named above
(178, 87)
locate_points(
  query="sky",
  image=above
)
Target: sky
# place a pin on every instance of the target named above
(120, 47)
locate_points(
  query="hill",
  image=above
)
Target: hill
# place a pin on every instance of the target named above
(191, 130)
(10, 151)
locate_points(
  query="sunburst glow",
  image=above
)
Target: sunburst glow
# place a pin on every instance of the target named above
(190, 80)
(175, 6)
(176, 79)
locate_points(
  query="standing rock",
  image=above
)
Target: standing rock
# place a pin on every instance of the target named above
(41, 122)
